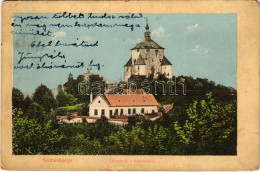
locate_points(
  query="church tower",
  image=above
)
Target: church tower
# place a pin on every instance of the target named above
(147, 59)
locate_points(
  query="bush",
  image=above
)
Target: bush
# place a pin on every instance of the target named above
(61, 112)
(31, 138)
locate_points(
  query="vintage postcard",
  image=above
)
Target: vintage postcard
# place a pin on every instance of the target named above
(130, 85)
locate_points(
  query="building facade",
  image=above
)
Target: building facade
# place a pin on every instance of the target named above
(147, 59)
(111, 105)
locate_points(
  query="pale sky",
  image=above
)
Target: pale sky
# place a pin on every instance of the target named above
(197, 45)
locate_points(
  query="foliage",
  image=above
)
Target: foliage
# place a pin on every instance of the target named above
(73, 108)
(43, 96)
(71, 87)
(134, 119)
(17, 113)
(102, 128)
(84, 110)
(198, 123)
(69, 117)
(17, 98)
(137, 141)
(61, 112)
(51, 117)
(79, 145)
(65, 99)
(26, 103)
(210, 128)
(37, 112)
(31, 138)
(183, 90)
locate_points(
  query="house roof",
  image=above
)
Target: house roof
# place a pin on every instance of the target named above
(133, 91)
(131, 99)
(129, 63)
(165, 61)
(140, 61)
(147, 44)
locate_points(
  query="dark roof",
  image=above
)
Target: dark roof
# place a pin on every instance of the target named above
(147, 44)
(129, 63)
(140, 61)
(165, 61)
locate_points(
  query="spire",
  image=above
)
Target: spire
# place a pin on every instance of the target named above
(147, 33)
(147, 26)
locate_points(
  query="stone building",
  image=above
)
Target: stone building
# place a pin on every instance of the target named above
(147, 60)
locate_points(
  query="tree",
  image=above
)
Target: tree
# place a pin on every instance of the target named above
(134, 119)
(44, 97)
(60, 89)
(209, 129)
(17, 113)
(102, 128)
(64, 99)
(17, 98)
(162, 77)
(70, 85)
(37, 112)
(31, 138)
(61, 111)
(26, 103)
(84, 110)
(137, 141)
(79, 145)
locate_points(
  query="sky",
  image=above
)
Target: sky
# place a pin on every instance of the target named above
(197, 45)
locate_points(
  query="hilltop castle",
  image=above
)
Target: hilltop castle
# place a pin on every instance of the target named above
(148, 59)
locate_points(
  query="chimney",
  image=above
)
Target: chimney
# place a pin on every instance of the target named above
(91, 97)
